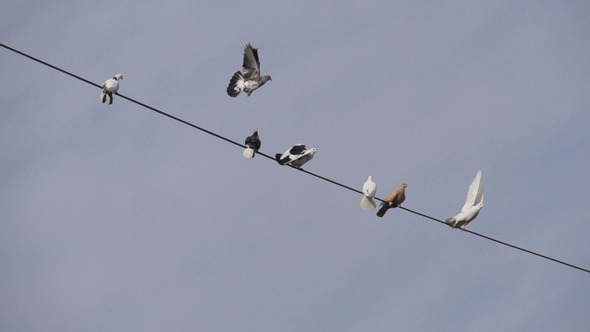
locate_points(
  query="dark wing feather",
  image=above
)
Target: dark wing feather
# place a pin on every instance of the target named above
(256, 142)
(255, 52)
(232, 89)
(281, 160)
(251, 65)
(253, 141)
(297, 149)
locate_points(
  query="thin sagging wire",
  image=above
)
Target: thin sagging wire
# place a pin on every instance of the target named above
(271, 158)
(498, 241)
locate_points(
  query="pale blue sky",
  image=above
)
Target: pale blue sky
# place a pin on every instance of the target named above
(114, 218)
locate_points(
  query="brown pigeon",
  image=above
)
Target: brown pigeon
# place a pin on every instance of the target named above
(393, 200)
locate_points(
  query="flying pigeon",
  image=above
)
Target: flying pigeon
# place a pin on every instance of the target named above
(393, 200)
(369, 190)
(249, 78)
(109, 87)
(473, 205)
(296, 156)
(252, 145)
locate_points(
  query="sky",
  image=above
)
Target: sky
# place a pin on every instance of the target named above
(116, 218)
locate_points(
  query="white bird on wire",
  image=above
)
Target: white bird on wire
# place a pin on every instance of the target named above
(473, 204)
(109, 87)
(369, 190)
(249, 78)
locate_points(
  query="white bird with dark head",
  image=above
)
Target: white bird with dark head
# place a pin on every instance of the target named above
(109, 87)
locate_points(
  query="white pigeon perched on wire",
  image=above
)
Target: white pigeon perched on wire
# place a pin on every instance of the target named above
(249, 78)
(252, 144)
(296, 156)
(369, 190)
(473, 204)
(109, 87)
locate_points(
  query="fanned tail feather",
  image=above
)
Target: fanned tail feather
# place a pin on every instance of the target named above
(106, 97)
(234, 88)
(368, 203)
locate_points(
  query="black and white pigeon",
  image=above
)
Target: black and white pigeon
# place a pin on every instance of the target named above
(296, 156)
(252, 144)
(249, 78)
(109, 87)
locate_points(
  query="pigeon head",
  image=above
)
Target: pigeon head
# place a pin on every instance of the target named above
(405, 185)
(265, 78)
(119, 76)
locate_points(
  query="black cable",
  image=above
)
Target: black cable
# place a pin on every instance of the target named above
(50, 65)
(498, 241)
(269, 157)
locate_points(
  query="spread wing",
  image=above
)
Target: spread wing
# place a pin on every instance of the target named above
(475, 193)
(251, 65)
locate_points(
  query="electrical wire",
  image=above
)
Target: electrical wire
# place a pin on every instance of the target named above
(297, 168)
(498, 241)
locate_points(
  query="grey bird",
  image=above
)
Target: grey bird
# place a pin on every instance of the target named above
(296, 156)
(249, 78)
(252, 144)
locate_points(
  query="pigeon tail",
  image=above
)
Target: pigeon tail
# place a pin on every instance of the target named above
(368, 203)
(279, 160)
(249, 153)
(383, 209)
(235, 84)
(450, 221)
(106, 97)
